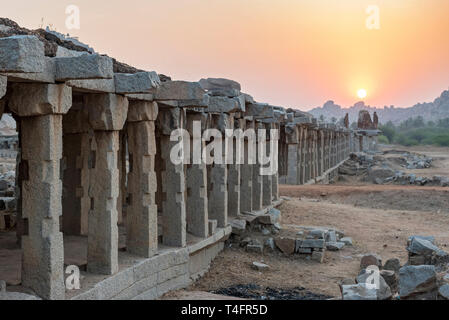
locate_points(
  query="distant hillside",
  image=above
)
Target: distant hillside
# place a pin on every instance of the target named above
(431, 111)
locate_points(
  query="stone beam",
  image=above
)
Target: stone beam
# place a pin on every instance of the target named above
(21, 54)
(86, 66)
(219, 104)
(141, 82)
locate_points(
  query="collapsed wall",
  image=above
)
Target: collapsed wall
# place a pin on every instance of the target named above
(95, 162)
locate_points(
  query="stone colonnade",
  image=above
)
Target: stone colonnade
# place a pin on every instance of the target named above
(97, 153)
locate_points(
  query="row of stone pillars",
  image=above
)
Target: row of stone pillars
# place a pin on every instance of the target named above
(86, 156)
(311, 150)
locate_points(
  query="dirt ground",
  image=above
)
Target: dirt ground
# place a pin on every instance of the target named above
(379, 218)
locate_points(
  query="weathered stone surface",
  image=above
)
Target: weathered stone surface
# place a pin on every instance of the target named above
(334, 246)
(142, 111)
(318, 256)
(393, 265)
(141, 82)
(422, 247)
(93, 85)
(260, 110)
(179, 90)
(86, 66)
(16, 296)
(224, 92)
(219, 83)
(347, 241)
(40, 99)
(428, 238)
(43, 251)
(391, 279)
(224, 104)
(107, 112)
(383, 292)
(313, 243)
(21, 54)
(416, 280)
(317, 234)
(3, 83)
(358, 292)
(370, 260)
(254, 248)
(443, 291)
(286, 245)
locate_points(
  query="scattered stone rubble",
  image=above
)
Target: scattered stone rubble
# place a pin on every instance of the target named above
(425, 276)
(263, 233)
(376, 169)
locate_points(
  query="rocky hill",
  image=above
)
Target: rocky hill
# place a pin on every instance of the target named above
(431, 111)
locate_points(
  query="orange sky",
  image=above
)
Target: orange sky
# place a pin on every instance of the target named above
(293, 53)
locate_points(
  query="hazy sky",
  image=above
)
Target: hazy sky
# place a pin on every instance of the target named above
(293, 53)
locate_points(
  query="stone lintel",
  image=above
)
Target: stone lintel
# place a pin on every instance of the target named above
(141, 82)
(219, 83)
(227, 105)
(47, 75)
(92, 85)
(21, 54)
(86, 66)
(179, 90)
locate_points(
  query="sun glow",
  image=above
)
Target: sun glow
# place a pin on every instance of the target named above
(361, 93)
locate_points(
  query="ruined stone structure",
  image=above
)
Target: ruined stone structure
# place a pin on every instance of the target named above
(95, 165)
(367, 132)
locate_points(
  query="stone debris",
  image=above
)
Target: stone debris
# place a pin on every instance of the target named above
(383, 292)
(371, 259)
(393, 265)
(260, 266)
(443, 292)
(418, 282)
(422, 251)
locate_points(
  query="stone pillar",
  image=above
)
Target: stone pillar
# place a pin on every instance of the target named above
(107, 115)
(141, 218)
(234, 175)
(294, 152)
(217, 177)
(267, 180)
(41, 108)
(302, 155)
(257, 178)
(122, 167)
(76, 150)
(275, 177)
(172, 179)
(246, 175)
(197, 211)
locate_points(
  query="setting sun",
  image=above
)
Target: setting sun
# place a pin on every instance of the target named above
(361, 93)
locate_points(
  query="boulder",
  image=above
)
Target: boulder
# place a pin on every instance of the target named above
(318, 256)
(383, 292)
(334, 246)
(238, 226)
(391, 279)
(370, 260)
(417, 282)
(347, 241)
(286, 245)
(393, 265)
(423, 247)
(443, 292)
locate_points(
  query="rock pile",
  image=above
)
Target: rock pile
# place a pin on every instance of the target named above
(424, 277)
(262, 233)
(378, 170)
